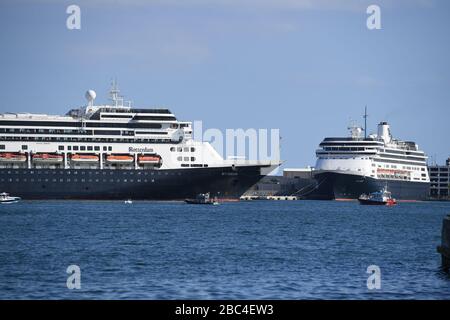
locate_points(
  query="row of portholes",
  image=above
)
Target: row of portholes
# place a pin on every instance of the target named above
(182, 149)
(185, 158)
(90, 172)
(75, 180)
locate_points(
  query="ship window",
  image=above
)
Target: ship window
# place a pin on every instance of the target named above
(89, 148)
(109, 148)
(186, 149)
(24, 147)
(60, 147)
(97, 148)
(192, 158)
(179, 149)
(75, 148)
(186, 158)
(104, 148)
(2, 147)
(192, 149)
(69, 147)
(82, 148)
(172, 149)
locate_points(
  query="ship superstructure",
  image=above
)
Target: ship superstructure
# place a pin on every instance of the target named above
(115, 151)
(347, 167)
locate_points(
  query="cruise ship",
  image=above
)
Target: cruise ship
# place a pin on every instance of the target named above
(116, 151)
(347, 167)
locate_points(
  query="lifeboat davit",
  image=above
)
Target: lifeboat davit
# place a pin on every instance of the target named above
(120, 159)
(149, 159)
(84, 158)
(13, 157)
(47, 158)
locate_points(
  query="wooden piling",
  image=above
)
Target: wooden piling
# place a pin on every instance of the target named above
(444, 248)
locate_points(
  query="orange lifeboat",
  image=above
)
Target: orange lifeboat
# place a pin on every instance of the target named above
(146, 159)
(13, 157)
(47, 158)
(84, 158)
(120, 159)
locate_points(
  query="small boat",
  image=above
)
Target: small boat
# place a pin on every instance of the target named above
(84, 158)
(147, 159)
(128, 201)
(47, 158)
(382, 197)
(202, 198)
(120, 159)
(5, 198)
(13, 157)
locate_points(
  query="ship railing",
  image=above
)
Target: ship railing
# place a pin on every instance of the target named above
(246, 162)
(236, 158)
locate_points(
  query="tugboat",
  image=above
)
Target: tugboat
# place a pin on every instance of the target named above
(5, 198)
(202, 198)
(381, 198)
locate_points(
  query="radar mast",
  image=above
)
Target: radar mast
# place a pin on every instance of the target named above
(114, 92)
(365, 121)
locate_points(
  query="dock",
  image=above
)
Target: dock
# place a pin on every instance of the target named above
(444, 248)
(273, 198)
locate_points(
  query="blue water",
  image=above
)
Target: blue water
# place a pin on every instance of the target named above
(246, 250)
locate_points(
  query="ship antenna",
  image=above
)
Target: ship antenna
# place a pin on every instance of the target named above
(114, 92)
(365, 122)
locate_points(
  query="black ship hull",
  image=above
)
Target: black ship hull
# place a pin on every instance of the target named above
(372, 203)
(99, 184)
(341, 186)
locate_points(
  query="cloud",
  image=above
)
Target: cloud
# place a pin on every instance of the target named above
(343, 5)
(155, 44)
(367, 81)
(323, 5)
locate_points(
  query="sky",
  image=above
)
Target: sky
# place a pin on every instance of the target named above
(304, 67)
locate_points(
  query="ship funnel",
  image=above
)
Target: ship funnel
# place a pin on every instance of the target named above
(384, 132)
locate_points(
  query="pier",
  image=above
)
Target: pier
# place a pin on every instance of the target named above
(274, 198)
(444, 248)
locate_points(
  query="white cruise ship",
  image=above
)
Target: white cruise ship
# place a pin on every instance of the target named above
(115, 151)
(347, 167)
